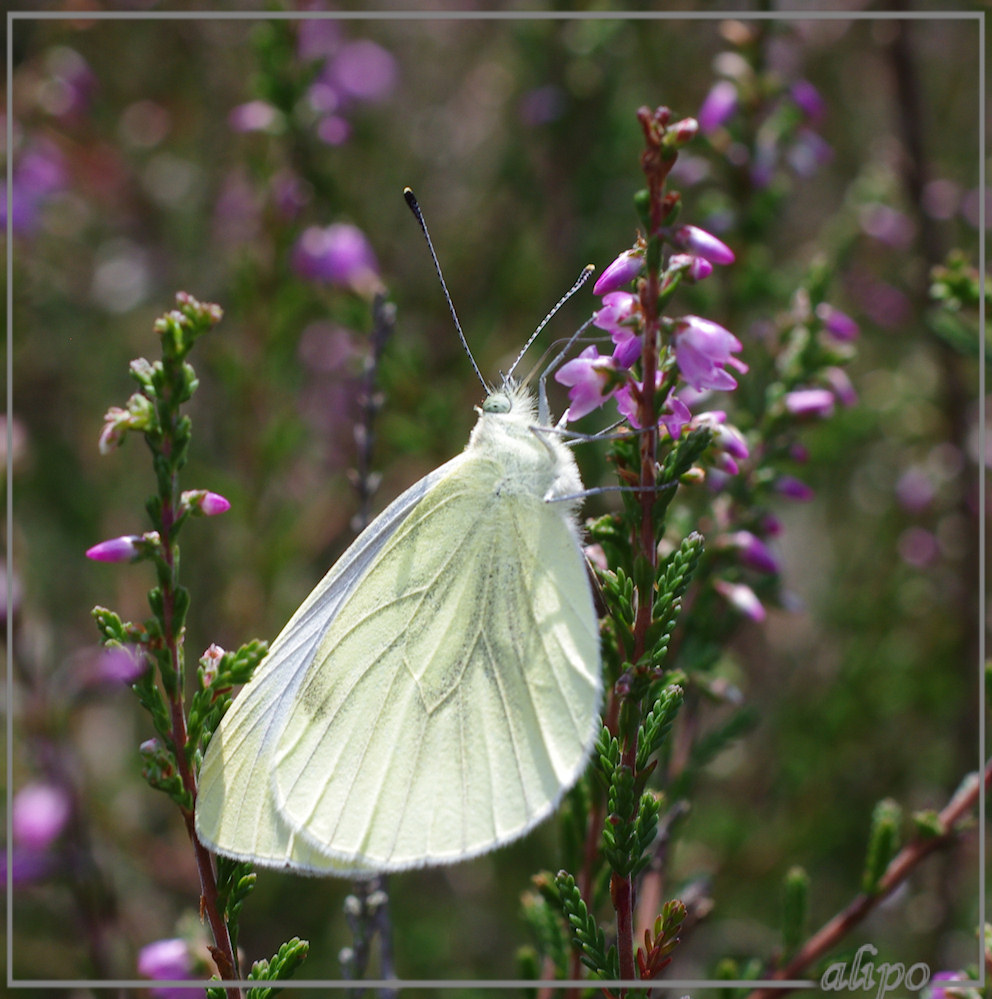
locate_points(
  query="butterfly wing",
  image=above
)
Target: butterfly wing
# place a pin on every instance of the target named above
(454, 696)
(235, 812)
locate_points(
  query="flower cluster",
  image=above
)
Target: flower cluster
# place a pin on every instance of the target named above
(702, 349)
(347, 72)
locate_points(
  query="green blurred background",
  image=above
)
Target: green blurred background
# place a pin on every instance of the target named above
(520, 138)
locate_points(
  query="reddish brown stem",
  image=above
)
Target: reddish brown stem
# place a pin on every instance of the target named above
(223, 952)
(901, 866)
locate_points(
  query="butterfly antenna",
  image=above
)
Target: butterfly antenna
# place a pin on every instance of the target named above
(419, 216)
(582, 278)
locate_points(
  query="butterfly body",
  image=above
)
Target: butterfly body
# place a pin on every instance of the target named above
(439, 690)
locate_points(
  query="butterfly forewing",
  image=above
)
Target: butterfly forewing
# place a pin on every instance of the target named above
(454, 695)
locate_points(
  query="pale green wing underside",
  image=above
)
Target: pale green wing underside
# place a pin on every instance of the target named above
(235, 811)
(454, 695)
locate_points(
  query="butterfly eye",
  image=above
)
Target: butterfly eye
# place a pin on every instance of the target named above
(497, 403)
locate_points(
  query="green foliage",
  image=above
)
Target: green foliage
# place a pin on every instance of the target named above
(795, 908)
(588, 936)
(883, 843)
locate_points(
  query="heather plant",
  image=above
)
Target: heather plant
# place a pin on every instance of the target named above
(796, 415)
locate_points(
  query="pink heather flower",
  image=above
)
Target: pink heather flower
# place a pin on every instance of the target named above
(589, 377)
(742, 598)
(362, 70)
(120, 665)
(122, 549)
(210, 660)
(702, 244)
(809, 152)
(753, 551)
(839, 325)
(167, 960)
(729, 441)
(808, 99)
(945, 980)
(693, 268)
(674, 413)
(841, 386)
(810, 402)
(39, 813)
(795, 489)
(339, 253)
(702, 348)
(618, 317)
(255, 116)
(204, 501)
(717, 107)
(622, 271)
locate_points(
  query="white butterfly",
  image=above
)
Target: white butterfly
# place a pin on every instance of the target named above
(439, 690)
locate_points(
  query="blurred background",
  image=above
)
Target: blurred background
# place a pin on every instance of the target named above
(259, 164)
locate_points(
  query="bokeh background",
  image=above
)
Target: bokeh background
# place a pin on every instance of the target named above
(152, 156)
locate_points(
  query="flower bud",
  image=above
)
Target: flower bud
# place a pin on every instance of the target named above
(622, 271)
(702, 243)
(122, 549)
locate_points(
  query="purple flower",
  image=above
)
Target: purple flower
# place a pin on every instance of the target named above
(702, 349)
(753, 551)
(725, 435)
(205, 502)
(674, 413)
(701, 243)
(810, 402)
(590, 378)
(808, 99)
(622, 271)
(122, 549)
(945, 978)
(255, 116)
(338, 253)
(838, 324)
(39, 813)
(717, 107)
(742, 598)
(841, 386)
(362, 70)
(119, 665)
(167, 960)
(619, 318)
(693, 268)
(795, 489)
(318, 38)
(39, 172)
(68, 90)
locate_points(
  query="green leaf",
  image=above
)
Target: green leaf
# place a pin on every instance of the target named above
(883, 843)
(587, 936)
(280, 967)
(795, 907)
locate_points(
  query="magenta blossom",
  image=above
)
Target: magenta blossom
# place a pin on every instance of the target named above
(591, 379)
(753, 551)
(619, 317)
(674, 413)
(701, 243)
(339, 253)
(742, 598)
(693, 268)
(702, 349)
(728, 440)
(39, 813)
(838, 324)
(795, 489)
(718, 106)
(810, 402)
(164, 961)
(205, 502)
(622, 271)
(122, 549)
